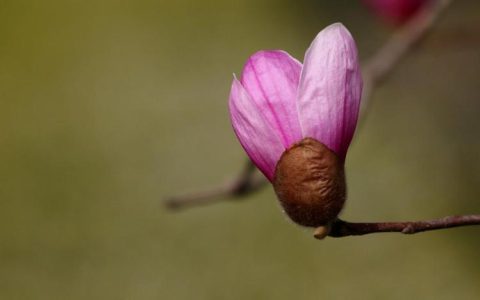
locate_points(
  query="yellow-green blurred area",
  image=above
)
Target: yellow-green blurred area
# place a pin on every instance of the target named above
(108, 107)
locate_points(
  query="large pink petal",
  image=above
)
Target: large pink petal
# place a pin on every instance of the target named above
(330, 89)
(257, 137)
(271, 78)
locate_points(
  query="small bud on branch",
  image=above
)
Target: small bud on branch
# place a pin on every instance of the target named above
(296, 121)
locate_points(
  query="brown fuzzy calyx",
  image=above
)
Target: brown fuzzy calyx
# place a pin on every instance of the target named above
(310, 183)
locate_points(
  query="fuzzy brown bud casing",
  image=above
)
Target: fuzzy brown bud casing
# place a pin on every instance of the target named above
(310, 183)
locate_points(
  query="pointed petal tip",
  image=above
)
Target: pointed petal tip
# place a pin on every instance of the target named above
(337, 25)
(262, 59)
(335, 29)
(233, 87)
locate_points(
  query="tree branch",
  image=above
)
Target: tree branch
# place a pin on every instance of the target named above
(247, 182)
(384, 61)
(341, 228)
(374, 71)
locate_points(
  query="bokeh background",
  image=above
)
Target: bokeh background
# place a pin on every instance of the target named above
(108, 107)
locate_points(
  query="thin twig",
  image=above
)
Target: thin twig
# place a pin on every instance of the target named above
(247, 182)
(384, 61)
(341, 228)
(374, 71)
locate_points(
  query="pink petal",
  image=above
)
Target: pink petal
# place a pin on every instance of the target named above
(257, 137)
(271, 78)
(330, 89)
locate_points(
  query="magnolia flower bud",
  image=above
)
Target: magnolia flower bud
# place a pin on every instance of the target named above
(310, 183)
(296, 122)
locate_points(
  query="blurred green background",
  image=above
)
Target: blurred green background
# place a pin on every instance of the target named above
(107, 107)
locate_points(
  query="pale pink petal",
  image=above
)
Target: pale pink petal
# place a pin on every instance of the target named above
(257, 137)
(271, 79)
(330, 89)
